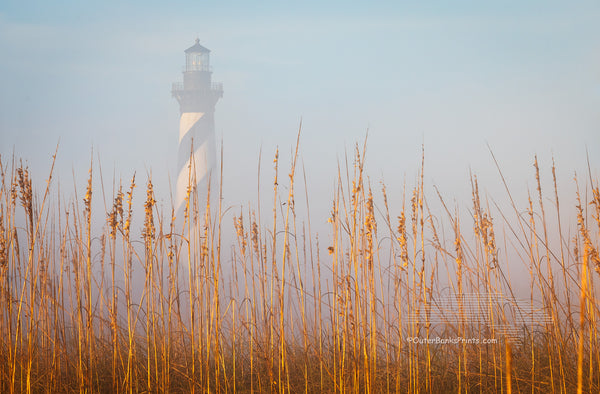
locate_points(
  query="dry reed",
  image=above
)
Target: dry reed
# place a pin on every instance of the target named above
(272, 313)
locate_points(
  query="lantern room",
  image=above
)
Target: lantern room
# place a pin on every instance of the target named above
(197, 58)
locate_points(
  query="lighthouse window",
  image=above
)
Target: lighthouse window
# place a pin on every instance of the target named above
(197, 62)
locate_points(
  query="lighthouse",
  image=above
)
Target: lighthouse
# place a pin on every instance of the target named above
(197, 96)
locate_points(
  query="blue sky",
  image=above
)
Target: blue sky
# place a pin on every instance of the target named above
(454, 76)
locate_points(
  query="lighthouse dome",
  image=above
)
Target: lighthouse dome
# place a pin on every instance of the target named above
(197, 48)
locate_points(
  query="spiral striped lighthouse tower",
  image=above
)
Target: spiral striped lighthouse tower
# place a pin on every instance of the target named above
(197, 96)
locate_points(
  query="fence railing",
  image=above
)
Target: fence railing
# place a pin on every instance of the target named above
(216, 87)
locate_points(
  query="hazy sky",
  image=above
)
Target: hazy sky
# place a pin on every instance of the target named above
(523, 77)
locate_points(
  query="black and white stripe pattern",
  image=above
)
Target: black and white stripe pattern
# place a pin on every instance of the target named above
(196, 152)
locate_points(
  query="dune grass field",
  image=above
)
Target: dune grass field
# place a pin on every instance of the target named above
(421, 300)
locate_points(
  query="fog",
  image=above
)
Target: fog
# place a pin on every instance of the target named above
(461, 80)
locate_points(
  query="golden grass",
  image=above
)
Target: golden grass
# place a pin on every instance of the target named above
(281, 316)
